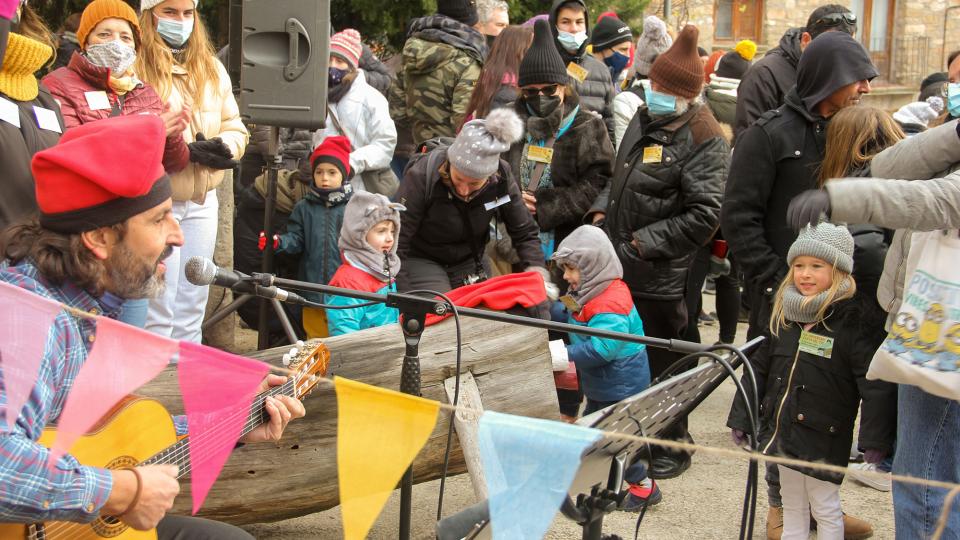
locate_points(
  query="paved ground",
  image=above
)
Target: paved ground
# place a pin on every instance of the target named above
(704, 503)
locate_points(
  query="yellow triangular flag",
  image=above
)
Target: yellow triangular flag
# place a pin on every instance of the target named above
(379, 432)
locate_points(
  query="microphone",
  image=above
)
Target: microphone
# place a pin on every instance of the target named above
(202, 272)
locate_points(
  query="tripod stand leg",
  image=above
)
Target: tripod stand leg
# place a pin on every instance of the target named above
(222, 314)
(284, 321)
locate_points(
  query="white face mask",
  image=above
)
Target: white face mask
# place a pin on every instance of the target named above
(115, 55)
(571, 42)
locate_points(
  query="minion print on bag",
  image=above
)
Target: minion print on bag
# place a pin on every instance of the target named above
(948, 357)
(903, 332)
(928, 338)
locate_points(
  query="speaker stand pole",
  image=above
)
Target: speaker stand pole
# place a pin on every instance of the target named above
(276, 160)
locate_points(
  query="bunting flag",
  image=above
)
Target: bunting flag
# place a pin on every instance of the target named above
(218, 389)
(112, 371)
(529, 465)
(8, 8)
(24, 329)
(379, 433)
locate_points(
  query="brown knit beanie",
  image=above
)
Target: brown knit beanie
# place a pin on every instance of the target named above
(679, 70)
(99, 10)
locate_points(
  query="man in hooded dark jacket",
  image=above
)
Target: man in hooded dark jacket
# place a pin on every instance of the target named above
(775, 159)
(591, 77)
(769, 79)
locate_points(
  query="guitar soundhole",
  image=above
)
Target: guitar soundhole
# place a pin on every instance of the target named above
(110, 526)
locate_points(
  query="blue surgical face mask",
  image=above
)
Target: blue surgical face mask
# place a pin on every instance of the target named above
(661, 104)
(571, 42)
(953, 99)
(616, 62)
(175, 33)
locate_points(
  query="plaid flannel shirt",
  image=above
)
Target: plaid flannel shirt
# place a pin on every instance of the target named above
(29, 490)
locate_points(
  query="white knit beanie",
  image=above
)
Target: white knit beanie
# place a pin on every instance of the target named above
(149, 4)
(476, 150)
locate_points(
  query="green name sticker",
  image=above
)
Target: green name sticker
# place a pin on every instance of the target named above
(816, 344)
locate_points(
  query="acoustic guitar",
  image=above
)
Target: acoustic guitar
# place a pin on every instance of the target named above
(140, 431)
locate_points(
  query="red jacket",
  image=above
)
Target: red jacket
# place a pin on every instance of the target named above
(69, 85)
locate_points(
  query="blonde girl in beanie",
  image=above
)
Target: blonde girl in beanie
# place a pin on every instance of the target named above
(812, 380)
(178, 60)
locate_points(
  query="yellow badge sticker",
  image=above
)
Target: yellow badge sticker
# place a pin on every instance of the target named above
(577, 71)
(653, 154)
(540, 154)
(816, 344)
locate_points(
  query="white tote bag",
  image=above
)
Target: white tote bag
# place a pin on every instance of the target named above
(923, 346)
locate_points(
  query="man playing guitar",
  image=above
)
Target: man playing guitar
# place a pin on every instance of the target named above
(104, 228)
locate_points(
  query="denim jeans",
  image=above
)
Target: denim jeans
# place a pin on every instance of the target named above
(928, 446)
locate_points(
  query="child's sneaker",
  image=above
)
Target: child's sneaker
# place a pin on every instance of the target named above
(879, 484)
(645, 493)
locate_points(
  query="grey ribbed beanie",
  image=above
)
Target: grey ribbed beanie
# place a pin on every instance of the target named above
(832, 243)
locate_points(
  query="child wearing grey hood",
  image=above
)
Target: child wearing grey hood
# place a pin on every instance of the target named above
(368, 243)
(610, 370)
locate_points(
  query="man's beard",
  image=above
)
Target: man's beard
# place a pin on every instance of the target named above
(132, 277)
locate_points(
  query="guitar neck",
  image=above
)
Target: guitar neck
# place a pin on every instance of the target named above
(179, 453)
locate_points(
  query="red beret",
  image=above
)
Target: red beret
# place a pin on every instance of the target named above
(101, 173)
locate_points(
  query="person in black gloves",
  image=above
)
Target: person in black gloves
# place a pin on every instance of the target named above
(211, 153)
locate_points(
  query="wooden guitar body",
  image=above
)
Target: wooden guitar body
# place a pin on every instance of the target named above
(136, 429)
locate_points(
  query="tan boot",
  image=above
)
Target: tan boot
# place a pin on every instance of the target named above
(775, 523)
(855, 528)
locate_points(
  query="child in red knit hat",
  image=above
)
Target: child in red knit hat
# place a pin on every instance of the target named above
(313, 230)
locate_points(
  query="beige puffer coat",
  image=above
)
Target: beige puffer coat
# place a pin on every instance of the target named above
(219, 117)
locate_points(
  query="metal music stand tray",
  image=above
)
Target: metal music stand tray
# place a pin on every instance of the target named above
(596, 489)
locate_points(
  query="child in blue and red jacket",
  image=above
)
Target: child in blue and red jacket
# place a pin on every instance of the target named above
(610, 370)
(368, 244)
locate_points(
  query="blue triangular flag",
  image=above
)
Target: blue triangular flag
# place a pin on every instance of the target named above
(529, 464)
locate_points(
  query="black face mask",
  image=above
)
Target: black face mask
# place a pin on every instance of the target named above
(542, 105)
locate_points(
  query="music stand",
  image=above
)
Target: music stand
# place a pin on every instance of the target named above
(596, 488)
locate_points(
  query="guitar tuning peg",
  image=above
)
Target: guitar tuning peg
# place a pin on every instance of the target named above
(294, 351)
(300, 343)
(286, 359)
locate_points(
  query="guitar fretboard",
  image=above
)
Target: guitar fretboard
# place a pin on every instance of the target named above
(179, 453)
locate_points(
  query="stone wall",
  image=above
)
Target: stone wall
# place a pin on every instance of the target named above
(926, 18)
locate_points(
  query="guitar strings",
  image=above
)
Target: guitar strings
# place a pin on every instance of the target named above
(183, 451)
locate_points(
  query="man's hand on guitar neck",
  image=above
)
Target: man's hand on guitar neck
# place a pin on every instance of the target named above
(158, 487)
(281, 409)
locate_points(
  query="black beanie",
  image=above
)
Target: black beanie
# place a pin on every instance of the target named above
(609, 32)
(732, 66)
(542, 63)
(464, 11)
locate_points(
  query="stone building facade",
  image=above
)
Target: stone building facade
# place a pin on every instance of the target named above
(907, 39)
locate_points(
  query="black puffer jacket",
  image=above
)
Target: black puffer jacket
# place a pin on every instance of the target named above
(768, 81)
(597, 90)
(377, 73)
(808, 403)
(433, 226)
(671, 207)
(776, 159)
(581, 167)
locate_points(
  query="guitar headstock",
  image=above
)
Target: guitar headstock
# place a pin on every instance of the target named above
(309, 362)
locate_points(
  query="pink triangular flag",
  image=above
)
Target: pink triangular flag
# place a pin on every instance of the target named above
(24, 327)
(123, 359)
(8, 8)
(218, 389)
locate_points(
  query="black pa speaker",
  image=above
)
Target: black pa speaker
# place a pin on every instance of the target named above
(283, 72)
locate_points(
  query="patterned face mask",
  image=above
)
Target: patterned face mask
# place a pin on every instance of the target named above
(115, 55)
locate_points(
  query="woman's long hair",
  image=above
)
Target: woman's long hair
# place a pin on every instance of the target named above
(854, 136)
(155, 61)
(33, 27)
(508, 50)
(777, 318)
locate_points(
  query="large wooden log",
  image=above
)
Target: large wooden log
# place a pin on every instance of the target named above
(264, 482)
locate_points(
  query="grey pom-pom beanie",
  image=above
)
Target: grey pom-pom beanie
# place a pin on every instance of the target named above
(829, 242)
(476, 150)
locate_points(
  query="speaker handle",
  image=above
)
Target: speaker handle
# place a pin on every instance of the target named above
(294, 68)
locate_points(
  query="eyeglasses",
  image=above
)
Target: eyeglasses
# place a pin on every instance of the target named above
(836, 19)
(549, 90)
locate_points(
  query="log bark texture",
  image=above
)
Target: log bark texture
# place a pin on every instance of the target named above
(266, 482)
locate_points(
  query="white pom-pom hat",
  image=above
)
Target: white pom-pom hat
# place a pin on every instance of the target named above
(476, 151)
